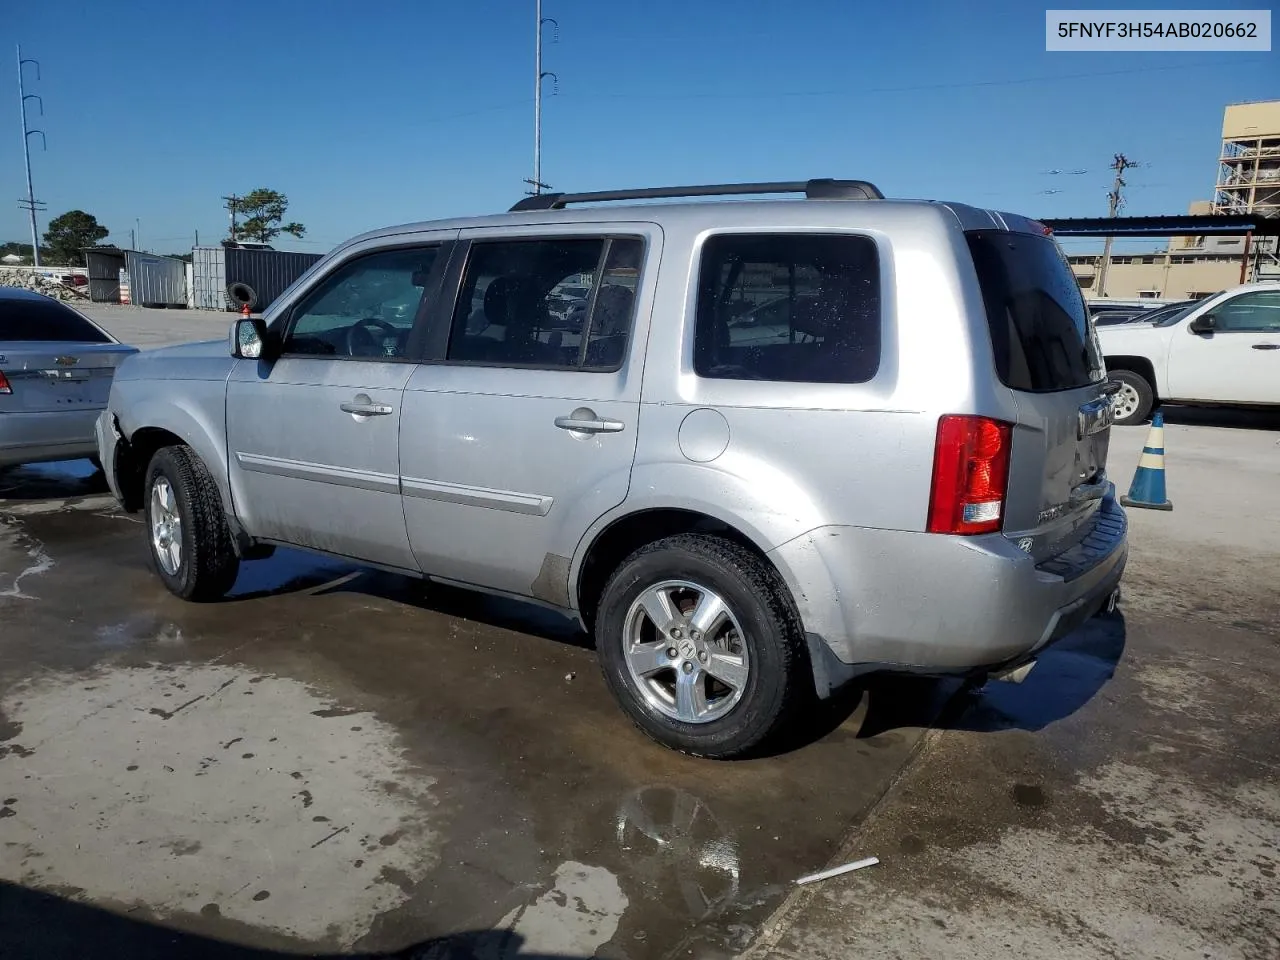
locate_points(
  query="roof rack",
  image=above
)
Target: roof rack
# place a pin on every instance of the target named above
(826, 189)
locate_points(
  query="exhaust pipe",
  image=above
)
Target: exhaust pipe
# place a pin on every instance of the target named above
(1015, 674)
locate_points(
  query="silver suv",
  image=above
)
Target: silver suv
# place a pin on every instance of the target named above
(787, 442)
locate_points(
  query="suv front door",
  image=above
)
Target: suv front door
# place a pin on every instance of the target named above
(312, 437)
(1239, 362)
(520, 430)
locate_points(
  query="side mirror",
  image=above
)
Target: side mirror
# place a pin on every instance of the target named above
(249, 338)
(1203, 324)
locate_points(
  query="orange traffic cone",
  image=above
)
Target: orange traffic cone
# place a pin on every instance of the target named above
(244, 311)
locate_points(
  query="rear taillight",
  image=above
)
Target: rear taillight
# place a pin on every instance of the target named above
(4, 383)
(970, 475)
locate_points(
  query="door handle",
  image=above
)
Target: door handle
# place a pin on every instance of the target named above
(1266, 346)
(595, 425)
(365, 408)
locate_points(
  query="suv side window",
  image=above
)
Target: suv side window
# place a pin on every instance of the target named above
(789, 307)
(564, 303)
(365, 309)
(1251, 313)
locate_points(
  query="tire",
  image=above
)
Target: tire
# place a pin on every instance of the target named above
(1135, 398)
(205, 565)
(242, 294)
(761, 628)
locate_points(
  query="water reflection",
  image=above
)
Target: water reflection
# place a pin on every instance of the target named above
(664, 830)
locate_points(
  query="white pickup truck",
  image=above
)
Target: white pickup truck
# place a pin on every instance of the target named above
(1222, 350)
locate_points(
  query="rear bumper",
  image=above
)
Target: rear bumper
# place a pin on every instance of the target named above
(948, 605)
(42, 437)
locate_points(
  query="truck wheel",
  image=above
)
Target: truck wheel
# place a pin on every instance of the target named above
(191, 547)
(700, 643)
(1133, 401)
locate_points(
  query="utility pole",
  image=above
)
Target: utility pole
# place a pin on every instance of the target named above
(539, 75)
(232, 205)
(1120, 164)
(31, 204)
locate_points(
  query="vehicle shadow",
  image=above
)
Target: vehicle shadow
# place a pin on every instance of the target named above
(52, 481)
(297, 571)
(43, 926)
(1240, 418)
(1066, 677)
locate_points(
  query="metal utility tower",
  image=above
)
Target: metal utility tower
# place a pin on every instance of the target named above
(539, 75)
(1120, 164)
(31, 204)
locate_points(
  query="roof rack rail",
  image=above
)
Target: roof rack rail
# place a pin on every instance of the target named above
(826, 189)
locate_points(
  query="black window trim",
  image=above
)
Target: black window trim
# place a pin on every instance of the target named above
(695, 292)
(442, 320)
(415, 347)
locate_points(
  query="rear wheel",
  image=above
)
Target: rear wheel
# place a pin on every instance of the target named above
(191, 546)
(702, 647)
(1134, 400)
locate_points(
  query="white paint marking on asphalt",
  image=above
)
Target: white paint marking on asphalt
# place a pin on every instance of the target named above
(200, 785)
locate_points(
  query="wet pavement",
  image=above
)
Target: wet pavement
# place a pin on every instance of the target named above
(335, 761)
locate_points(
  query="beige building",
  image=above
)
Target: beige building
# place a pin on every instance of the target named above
(1248, 182)
(1164, 276)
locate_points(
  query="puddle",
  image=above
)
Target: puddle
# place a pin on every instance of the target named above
(288, 570)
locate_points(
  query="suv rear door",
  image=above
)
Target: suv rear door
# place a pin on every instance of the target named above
(520, 429)
(1046, 353)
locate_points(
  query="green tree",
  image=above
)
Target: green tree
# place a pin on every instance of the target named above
(69, 233)
(259, 216)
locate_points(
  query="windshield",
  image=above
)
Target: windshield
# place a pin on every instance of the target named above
(1170, 314)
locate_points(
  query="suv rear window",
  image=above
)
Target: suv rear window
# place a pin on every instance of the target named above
(788, 307)
(1040, 329)
(33, 320)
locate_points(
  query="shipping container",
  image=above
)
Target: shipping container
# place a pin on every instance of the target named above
(156, 281)
(266, 273)
(209, 279)
(225, 277)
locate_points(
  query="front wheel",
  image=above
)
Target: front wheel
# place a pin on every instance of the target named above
(702, 646)
(1134, 400)
(191, 547)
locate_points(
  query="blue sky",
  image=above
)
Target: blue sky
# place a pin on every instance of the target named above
(387, 111)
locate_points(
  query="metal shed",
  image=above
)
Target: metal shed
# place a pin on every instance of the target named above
(221, 275)
(156, 281)
(104, 265)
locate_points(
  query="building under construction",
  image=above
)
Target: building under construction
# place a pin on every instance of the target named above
(1249, 164)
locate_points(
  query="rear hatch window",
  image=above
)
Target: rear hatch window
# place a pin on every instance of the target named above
(29, 320)
(1040, 329)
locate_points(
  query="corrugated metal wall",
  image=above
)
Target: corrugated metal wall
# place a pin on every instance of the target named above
(268, 272)
(104, 275)
(209, 278)
(156, 281)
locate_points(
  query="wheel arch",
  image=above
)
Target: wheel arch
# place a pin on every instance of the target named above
(1140, 365)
